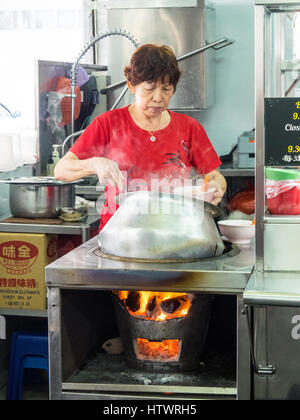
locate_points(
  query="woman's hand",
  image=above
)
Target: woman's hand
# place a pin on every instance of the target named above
(217, 181)
(70, 168)
(108, 172)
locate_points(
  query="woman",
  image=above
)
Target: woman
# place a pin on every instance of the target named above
(144, 141)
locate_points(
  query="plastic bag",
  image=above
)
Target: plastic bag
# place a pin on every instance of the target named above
(274, 188)
(283, 197)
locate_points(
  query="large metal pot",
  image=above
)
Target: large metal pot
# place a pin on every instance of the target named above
(150, 225)
(39, 197)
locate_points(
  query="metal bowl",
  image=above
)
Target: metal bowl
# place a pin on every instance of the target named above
(151, 225)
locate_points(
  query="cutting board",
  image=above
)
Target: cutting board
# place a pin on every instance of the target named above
(33, 221)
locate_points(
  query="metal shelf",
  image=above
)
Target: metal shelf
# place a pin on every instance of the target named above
(237, 172)
(109, 373)
(39, 313)
(68, 228)
(282, 219)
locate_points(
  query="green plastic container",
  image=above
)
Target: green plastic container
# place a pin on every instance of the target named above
(277, 174)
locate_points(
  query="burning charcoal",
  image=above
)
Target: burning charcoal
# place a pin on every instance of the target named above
(152, 304)
(152, 308)
(133, 301)
(170, 305)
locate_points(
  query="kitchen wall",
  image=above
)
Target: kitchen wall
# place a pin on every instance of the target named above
(25, 170)
(233, 112)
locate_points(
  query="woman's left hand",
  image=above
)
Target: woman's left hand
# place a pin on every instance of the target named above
(217, 181)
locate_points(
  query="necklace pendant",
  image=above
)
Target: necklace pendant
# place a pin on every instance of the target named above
(153, 138)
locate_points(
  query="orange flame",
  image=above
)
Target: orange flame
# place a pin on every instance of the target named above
(160, 351)
(156, 306)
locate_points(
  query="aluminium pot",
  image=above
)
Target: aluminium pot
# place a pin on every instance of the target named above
(151, 225)
(39, 197)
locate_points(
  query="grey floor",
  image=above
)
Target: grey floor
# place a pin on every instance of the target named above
(31, 392)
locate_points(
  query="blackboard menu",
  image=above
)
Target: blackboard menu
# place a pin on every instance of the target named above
(282, 132)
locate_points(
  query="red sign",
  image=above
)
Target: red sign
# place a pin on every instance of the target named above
(18, 256)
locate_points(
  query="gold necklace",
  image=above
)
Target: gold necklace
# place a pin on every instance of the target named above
(152, 136)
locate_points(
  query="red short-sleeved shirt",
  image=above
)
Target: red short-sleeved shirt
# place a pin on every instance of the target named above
(178, 148)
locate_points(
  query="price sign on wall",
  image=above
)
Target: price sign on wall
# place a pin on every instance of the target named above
(282, 132)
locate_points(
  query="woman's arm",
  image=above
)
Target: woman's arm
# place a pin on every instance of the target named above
(69, 168)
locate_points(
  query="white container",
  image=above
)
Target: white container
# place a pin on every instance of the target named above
(237, 231)
(17, 149)
(7, 159)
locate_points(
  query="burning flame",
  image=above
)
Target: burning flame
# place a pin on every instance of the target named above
(160, 351)
(156, 306)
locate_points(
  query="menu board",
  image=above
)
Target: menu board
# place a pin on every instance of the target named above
(282, 132)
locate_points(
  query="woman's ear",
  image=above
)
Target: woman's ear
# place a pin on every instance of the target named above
(130, 87)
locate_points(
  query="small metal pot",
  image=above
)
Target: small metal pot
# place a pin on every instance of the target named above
(38, 197)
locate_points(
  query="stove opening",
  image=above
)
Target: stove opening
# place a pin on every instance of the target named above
(156, 306)
(157, 351)
(89, 319)
(162, 331)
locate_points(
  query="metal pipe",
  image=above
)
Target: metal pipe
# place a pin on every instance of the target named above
(84, 51)
(67, 139)
(224, 41)
(120, 98)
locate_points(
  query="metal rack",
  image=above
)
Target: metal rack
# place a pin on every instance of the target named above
(272, 296)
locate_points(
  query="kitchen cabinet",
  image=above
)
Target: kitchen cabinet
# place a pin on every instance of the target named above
(273, 304)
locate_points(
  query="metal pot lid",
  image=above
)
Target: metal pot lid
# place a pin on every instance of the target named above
(37, 180)
(211, 208)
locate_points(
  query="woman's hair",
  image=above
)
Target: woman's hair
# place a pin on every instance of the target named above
(152, 62)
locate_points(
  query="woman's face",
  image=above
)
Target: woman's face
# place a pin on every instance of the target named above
(152, 98)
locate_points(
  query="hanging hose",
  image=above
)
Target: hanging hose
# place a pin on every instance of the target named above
(13, 115)
(92, 42)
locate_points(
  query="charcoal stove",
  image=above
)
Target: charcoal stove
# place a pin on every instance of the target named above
(173, 344)
(82, 317)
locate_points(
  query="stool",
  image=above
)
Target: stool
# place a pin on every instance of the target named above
(28, 350)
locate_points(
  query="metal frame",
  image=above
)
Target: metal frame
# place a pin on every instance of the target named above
(81, 270)
(259, 133)
(60, 390)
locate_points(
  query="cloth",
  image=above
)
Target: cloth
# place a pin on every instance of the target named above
(64, 88)
(178, 148)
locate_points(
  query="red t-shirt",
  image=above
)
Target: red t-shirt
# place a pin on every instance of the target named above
(178, 148)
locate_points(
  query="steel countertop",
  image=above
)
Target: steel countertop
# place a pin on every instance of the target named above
(81, 268)
(69, 228)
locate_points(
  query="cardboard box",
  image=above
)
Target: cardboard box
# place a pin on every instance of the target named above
(23, 257)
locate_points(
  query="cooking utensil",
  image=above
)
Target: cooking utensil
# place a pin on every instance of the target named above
(152, 225)
(39, 197)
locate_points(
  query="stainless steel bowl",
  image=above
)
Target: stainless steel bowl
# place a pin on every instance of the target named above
(39, 197)
(153, 226)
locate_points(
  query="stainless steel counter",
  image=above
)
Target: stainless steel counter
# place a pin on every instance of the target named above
(82, 268)
(67, 228)
(274, 289)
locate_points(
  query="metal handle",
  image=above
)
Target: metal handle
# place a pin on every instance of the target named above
(267, 370)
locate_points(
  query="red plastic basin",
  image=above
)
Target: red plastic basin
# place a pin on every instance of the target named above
(287, 202)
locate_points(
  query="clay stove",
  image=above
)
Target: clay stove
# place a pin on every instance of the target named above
(162, 332)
